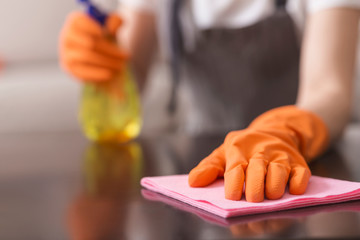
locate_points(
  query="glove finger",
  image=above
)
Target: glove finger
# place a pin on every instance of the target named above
(234, 182)
(78, 39)
(208, 170)
(234, 176)
(113, 22)
(277, 176)
(93, 58)
(79, 21)
(255, 178)
(111, 49)
(89, 73)
(299, 179)
(104, 46)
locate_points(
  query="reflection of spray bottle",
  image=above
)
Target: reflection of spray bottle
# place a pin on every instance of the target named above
(112, 173)
(112, 168)
(110, 111)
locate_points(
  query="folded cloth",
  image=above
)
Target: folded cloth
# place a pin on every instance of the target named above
(320, 191)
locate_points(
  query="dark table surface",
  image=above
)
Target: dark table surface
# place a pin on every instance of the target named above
(59, 186)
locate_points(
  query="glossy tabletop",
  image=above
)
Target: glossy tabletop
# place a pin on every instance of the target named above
(59, 186)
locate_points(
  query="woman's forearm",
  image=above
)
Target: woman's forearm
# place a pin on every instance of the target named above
(138, 37)
(327, 66)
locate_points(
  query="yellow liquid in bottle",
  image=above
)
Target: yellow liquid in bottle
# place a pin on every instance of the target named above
(111, 111)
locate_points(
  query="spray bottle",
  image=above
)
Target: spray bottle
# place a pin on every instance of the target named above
(110, 111)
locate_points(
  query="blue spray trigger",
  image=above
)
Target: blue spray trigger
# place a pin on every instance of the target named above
(94, 12)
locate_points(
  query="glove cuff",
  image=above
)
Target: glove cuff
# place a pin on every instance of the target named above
(300, 128)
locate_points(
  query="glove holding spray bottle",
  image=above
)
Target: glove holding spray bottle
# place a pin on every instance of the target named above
(110, 108)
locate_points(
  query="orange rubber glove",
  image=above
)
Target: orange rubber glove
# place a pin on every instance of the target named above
(88, 50)
(273, 150)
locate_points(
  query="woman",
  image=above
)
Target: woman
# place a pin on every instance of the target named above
(239, 59)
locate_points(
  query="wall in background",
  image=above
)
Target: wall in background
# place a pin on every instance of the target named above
(29, 29)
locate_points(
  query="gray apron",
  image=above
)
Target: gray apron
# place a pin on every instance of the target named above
(233, 75)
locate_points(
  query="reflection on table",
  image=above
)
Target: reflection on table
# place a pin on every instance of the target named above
(110, 172)
(259, 224)
(54, 185)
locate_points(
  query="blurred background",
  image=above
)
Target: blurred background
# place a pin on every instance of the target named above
(35, 94)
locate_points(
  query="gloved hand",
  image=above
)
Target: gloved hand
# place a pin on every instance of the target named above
(88, 50)
(271, 152)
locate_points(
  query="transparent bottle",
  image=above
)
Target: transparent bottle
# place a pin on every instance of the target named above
(111, 111)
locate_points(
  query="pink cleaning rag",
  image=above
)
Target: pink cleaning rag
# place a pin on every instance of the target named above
(211, 198)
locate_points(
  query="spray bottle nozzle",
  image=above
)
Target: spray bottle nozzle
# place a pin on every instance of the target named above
(94, 12)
